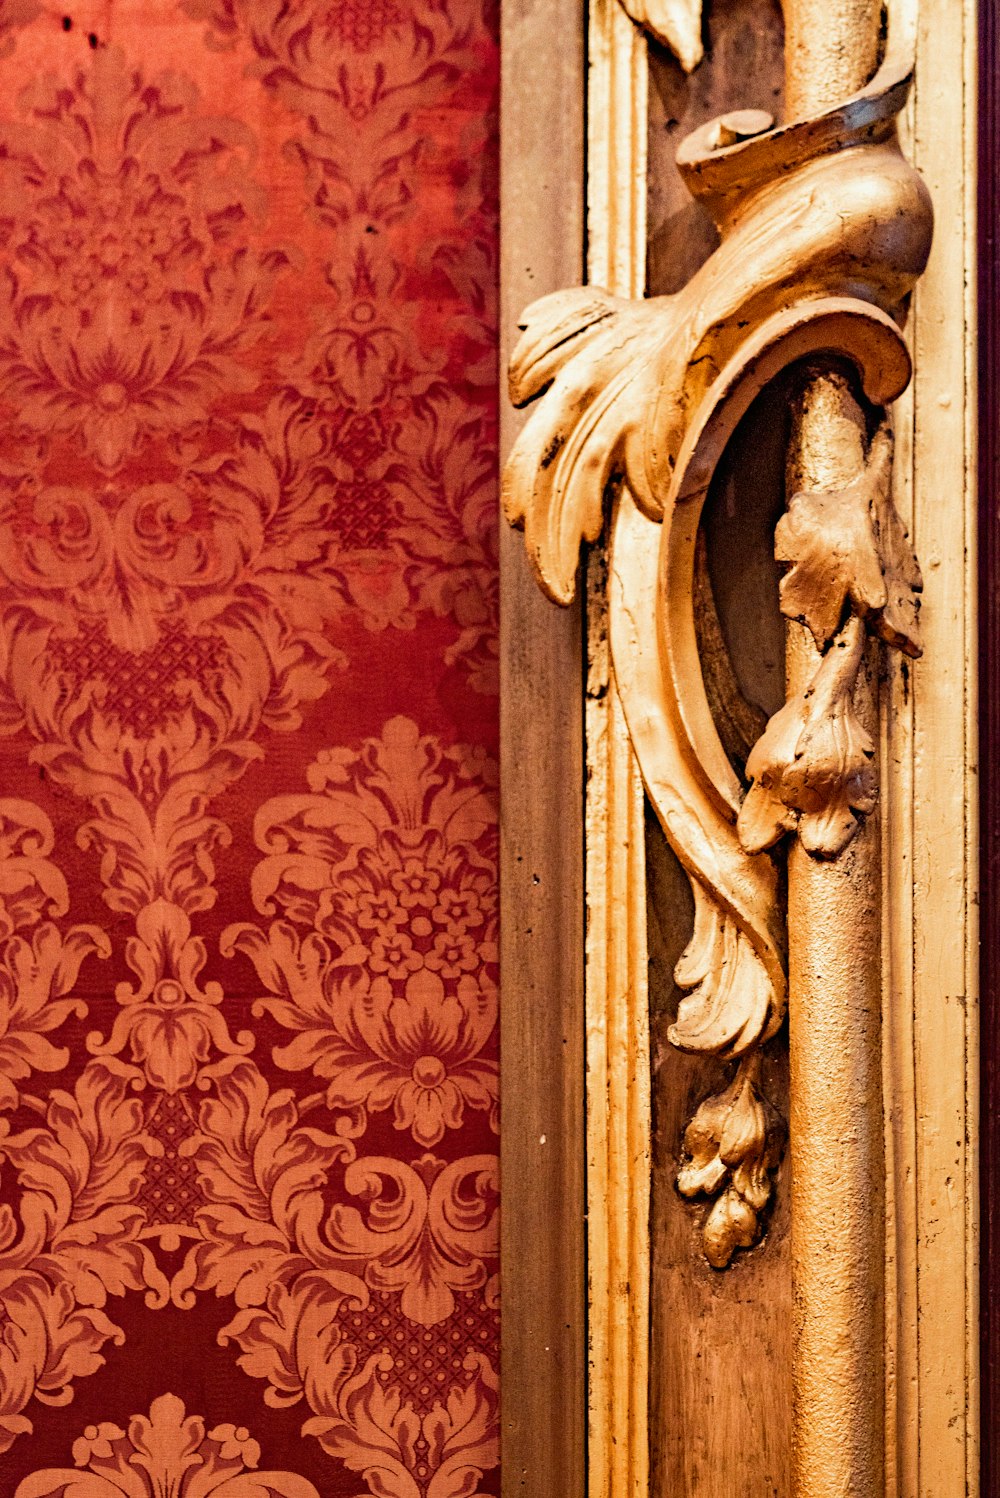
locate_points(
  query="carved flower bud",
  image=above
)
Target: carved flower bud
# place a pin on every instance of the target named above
(729, 1143)
(813, 768)
(731, 1224)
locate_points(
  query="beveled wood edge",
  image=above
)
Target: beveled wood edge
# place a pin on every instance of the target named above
(543, 1218)
(988, 184)
(618, 1078)
(934, 993)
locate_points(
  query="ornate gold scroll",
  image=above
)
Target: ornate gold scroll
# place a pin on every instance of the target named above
(824, 229)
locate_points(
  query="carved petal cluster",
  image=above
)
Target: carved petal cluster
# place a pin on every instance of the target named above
(730, 1146)
(813, 769)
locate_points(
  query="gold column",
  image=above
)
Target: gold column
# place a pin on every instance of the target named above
(834, 920)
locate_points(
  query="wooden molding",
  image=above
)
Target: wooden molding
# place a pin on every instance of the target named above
(543, 1094)
(618, 1064)
(930, 809)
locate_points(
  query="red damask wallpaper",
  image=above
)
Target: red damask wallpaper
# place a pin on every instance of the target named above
(248, 818)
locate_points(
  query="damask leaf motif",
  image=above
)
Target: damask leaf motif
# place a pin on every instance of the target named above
(850, 544)
(35, 976)
(368, 1426)
(294, 1339)
(31, 883)
(262, 1173)
(48, 1341)
(416, 1051)
(391, 997)
(813, 769)
(135, 287)
(426, 1238)
(79, 1176)
(170, 1023)
(76, 1240)
(39, 963)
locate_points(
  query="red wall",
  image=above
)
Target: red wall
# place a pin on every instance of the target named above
(248, 841)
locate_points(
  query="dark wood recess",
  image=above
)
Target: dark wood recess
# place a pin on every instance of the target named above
(989, 665)
(543, 1235)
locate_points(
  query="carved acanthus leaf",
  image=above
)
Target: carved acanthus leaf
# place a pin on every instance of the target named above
(849, 545)
(733, 965)
(731, 1146)
(732, 1004)
(676, 23)
(601, 357)
(813, 769)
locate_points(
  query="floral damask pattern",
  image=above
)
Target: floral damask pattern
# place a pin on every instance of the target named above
(248, 871)
(165, 1454)
(390, 864)
(133, 292)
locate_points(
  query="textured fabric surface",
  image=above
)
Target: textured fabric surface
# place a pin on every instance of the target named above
(248, 818)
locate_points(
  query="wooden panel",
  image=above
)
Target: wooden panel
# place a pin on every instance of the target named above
(543, 1356)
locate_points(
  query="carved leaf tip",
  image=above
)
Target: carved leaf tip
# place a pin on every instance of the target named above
(732, 1004)
(675, 23)
(552, 330)
(731, 1145)
(596, 359)
(813, 768)
(850, 546)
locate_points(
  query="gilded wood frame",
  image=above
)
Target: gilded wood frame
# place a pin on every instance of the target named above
(928, 755)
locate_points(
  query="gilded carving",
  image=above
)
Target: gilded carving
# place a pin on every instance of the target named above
(824, 228)
(849, 545)
(812, 771)
(676, 23)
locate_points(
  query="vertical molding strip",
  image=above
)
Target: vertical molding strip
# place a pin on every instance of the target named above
(618, 1074)
(543, 1216)
(931, 806)
(988, 238)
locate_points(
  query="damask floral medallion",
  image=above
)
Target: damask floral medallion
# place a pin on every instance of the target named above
(165, 1454)
(248, 858)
